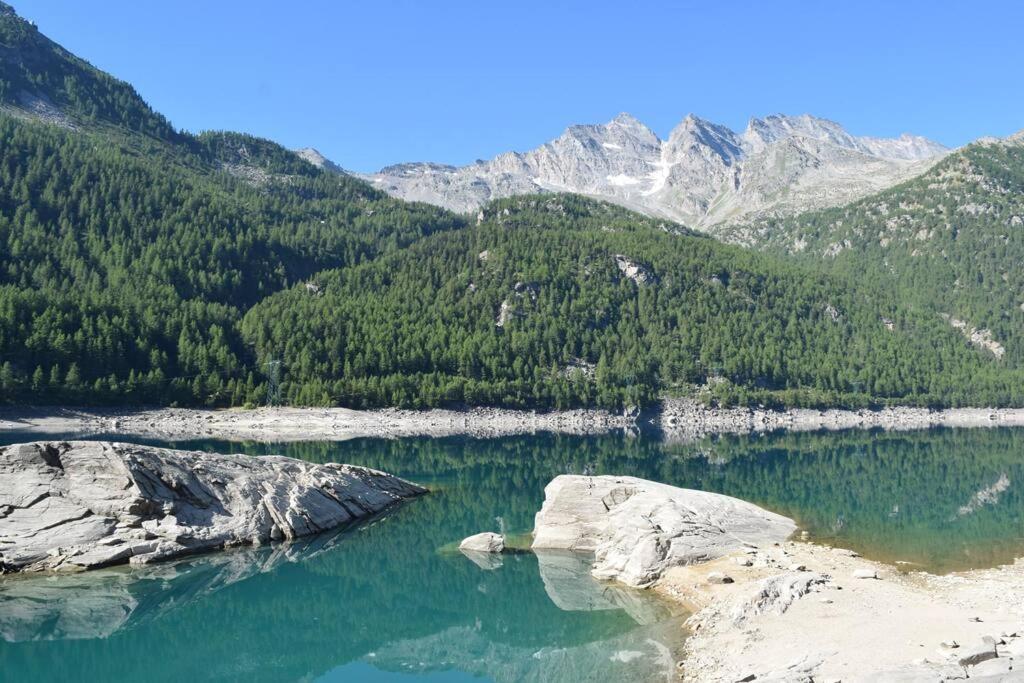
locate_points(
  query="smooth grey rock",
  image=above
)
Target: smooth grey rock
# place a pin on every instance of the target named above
(998, 668)
(87, 504)
(486, 542)
(637, 529)
(978, 654)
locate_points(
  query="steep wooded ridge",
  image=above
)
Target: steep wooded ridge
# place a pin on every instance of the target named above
(951, 239)
(130, 255)
(145, 265)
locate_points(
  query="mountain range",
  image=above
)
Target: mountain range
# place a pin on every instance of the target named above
(142, 264)
(702, 175)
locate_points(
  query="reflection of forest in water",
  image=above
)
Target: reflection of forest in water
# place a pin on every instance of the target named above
(944, 499)
(388, 592)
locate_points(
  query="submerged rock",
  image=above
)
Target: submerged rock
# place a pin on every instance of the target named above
(487, 542)
(81, 505)
(637, 529)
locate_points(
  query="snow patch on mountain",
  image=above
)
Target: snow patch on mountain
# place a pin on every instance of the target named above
(703, 175)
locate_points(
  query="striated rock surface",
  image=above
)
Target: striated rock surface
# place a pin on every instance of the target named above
(81, 505)
(637, 528)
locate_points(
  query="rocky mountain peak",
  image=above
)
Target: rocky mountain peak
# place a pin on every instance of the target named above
(695, 133)
(778, 127)
(314, 157)
(627, 120)
(703, 175)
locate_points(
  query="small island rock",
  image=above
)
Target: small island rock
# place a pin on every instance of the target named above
(86, 504)
(487, 542)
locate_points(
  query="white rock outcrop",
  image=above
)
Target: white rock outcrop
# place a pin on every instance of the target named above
(487, 542)
(637, 528)
(81, 505)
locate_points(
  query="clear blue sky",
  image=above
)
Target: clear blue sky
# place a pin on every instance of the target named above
(375, 82)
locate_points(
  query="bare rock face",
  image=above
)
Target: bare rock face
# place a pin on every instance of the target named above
(81, 505)
(703, 175)
(637, 529)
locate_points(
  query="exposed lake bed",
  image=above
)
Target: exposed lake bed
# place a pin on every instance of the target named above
(930, 499)
(674, 419)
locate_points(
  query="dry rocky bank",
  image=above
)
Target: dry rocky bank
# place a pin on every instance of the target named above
(676, 419)
(770, 609)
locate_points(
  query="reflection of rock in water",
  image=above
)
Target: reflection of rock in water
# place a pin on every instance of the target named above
(487, 561)
(643, 654)
(99, 603)
(570, 585)
(986, 496)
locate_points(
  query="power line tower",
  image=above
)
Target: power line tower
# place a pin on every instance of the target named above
(273, 372)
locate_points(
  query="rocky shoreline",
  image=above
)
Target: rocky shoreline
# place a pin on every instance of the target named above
(88, 504)
(685, 419)
(676, 420)
(305, 424)
(765, 608)
(800, 612)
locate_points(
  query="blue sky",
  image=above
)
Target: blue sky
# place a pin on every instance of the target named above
(375, 82)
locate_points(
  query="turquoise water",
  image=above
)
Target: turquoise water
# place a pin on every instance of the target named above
(393, 601)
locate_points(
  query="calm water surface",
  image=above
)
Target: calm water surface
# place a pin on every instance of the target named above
(393, 601)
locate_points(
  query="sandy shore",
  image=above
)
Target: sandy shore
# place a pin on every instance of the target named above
(676, 419)
(802, 612)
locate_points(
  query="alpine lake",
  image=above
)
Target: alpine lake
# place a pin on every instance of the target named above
(393, 600)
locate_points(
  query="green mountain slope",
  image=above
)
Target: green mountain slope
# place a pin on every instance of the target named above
(537, 306)
(951, 239)
(39, 76)
(139, 264)
(123, 277)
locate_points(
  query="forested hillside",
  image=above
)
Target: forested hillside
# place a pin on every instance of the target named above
(38, 75)
(559, 301)
(951, 239)
(140, 264)
(123, 277)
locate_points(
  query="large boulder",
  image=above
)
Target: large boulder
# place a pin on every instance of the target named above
(637, 529)
(80, 505)
(486, 542)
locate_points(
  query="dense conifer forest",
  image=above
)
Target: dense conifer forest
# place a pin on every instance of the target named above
(144, 265)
